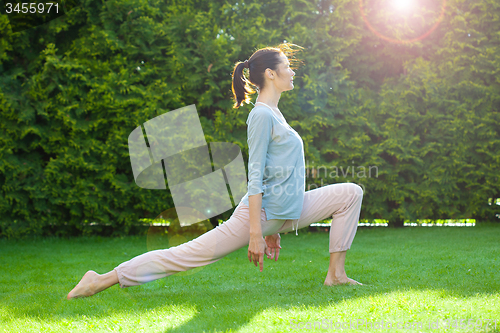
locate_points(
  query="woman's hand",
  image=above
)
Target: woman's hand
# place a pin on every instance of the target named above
(273, 244)
(256, 249)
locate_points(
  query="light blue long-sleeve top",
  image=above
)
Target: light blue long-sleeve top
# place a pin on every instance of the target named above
(276, 165)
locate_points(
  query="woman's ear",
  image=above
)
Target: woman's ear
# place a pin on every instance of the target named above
(270, 73)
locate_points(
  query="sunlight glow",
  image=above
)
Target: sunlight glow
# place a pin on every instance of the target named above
(402, 4)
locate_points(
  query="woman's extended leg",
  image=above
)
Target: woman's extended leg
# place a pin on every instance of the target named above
(206, 249)
(341, 202)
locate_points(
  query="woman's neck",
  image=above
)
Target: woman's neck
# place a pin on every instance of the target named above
(269, 99)
(267, 104)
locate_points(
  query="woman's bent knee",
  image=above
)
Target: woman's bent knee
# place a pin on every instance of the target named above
(356, 189)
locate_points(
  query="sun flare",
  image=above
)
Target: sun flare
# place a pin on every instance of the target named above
(402, 4)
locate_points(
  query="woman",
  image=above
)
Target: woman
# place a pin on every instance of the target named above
(276, 200)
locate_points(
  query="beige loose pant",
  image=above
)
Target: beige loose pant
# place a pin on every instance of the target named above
(341, 202)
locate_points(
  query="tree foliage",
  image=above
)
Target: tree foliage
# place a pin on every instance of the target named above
(422, 117)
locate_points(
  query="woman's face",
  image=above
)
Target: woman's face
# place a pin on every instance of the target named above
(284, 78)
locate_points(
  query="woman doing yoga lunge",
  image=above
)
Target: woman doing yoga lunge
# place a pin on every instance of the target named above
(276, 200)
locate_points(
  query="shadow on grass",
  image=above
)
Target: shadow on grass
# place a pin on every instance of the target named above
(228, 295)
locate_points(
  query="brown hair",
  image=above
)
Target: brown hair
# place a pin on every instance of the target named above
(268, 57)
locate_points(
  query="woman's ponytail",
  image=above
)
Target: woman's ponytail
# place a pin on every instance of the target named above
(241, 87)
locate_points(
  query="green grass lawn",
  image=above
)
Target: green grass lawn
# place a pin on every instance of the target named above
(433, 276)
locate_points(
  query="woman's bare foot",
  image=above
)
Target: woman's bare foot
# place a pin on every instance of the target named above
(336, 272)
(92, 283)
(87, 286)
(332, 280)
(337, 282)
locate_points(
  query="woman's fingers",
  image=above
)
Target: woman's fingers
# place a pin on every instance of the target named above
(271, 254)
(258, 260)
(256, 250)
(254, 257)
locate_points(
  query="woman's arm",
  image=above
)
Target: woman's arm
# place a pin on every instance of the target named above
(255, 206)
(257, 246)
(260, 123)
